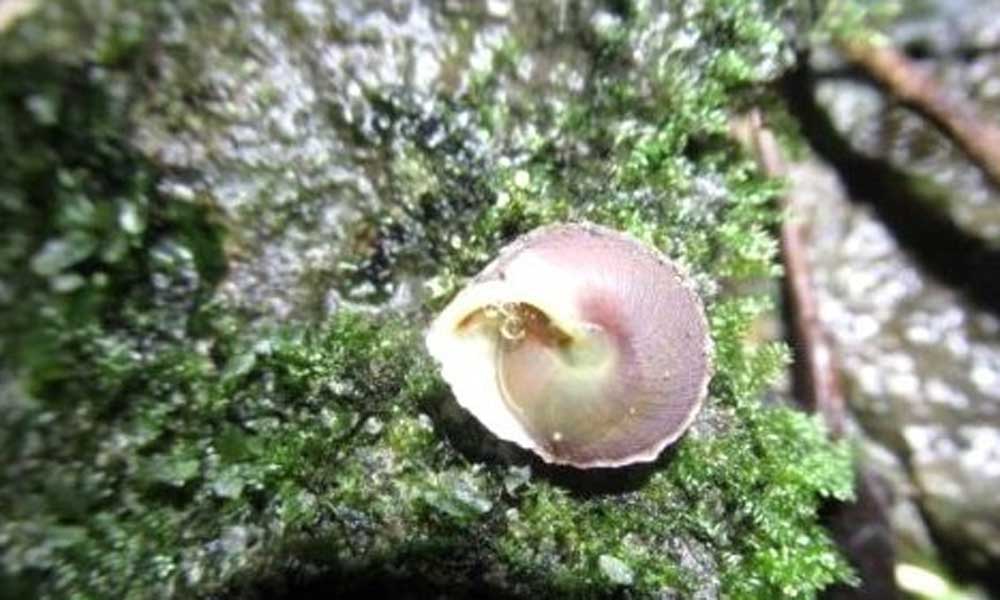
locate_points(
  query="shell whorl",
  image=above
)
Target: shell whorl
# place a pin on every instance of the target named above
(579, 343)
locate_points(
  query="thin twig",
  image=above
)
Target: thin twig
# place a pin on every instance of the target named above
(819, 379)
(975, 134)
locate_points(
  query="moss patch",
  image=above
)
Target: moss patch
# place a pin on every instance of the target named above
(159, 443)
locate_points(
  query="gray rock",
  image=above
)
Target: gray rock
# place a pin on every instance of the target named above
(922, 360)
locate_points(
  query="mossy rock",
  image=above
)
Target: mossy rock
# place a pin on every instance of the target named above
(165, 436)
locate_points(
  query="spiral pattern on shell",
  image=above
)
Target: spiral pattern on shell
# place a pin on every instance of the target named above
(579, 343)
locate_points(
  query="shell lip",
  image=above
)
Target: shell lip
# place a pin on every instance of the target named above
(525, 240)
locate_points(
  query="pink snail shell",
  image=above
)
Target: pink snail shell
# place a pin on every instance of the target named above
(579, 343)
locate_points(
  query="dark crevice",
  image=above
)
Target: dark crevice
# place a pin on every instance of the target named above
(863, 532)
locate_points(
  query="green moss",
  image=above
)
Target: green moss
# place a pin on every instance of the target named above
(845, 19)
(159, 443)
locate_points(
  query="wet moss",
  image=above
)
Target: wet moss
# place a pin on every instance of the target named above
(158, 442)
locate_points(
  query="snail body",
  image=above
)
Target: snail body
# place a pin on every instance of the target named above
(579, 343)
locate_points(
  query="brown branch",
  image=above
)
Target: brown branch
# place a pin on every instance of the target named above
(975, 134)
(818, 378)
(862, 527)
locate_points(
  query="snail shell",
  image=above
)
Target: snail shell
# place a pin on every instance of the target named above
(579, 343)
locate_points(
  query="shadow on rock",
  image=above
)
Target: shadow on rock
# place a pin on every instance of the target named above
(478, 444)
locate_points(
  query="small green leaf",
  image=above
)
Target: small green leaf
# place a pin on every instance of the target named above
(172, 470)
(615, 570)
(239, 366)
(130, 219)
(61, 253)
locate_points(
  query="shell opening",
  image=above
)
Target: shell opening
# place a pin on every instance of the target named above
(514, 321)
(555, 381)
(544, 372)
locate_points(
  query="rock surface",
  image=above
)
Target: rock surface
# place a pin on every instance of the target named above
(922, 355)
(226, 226)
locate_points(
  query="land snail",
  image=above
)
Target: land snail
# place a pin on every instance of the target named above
(580, 344)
